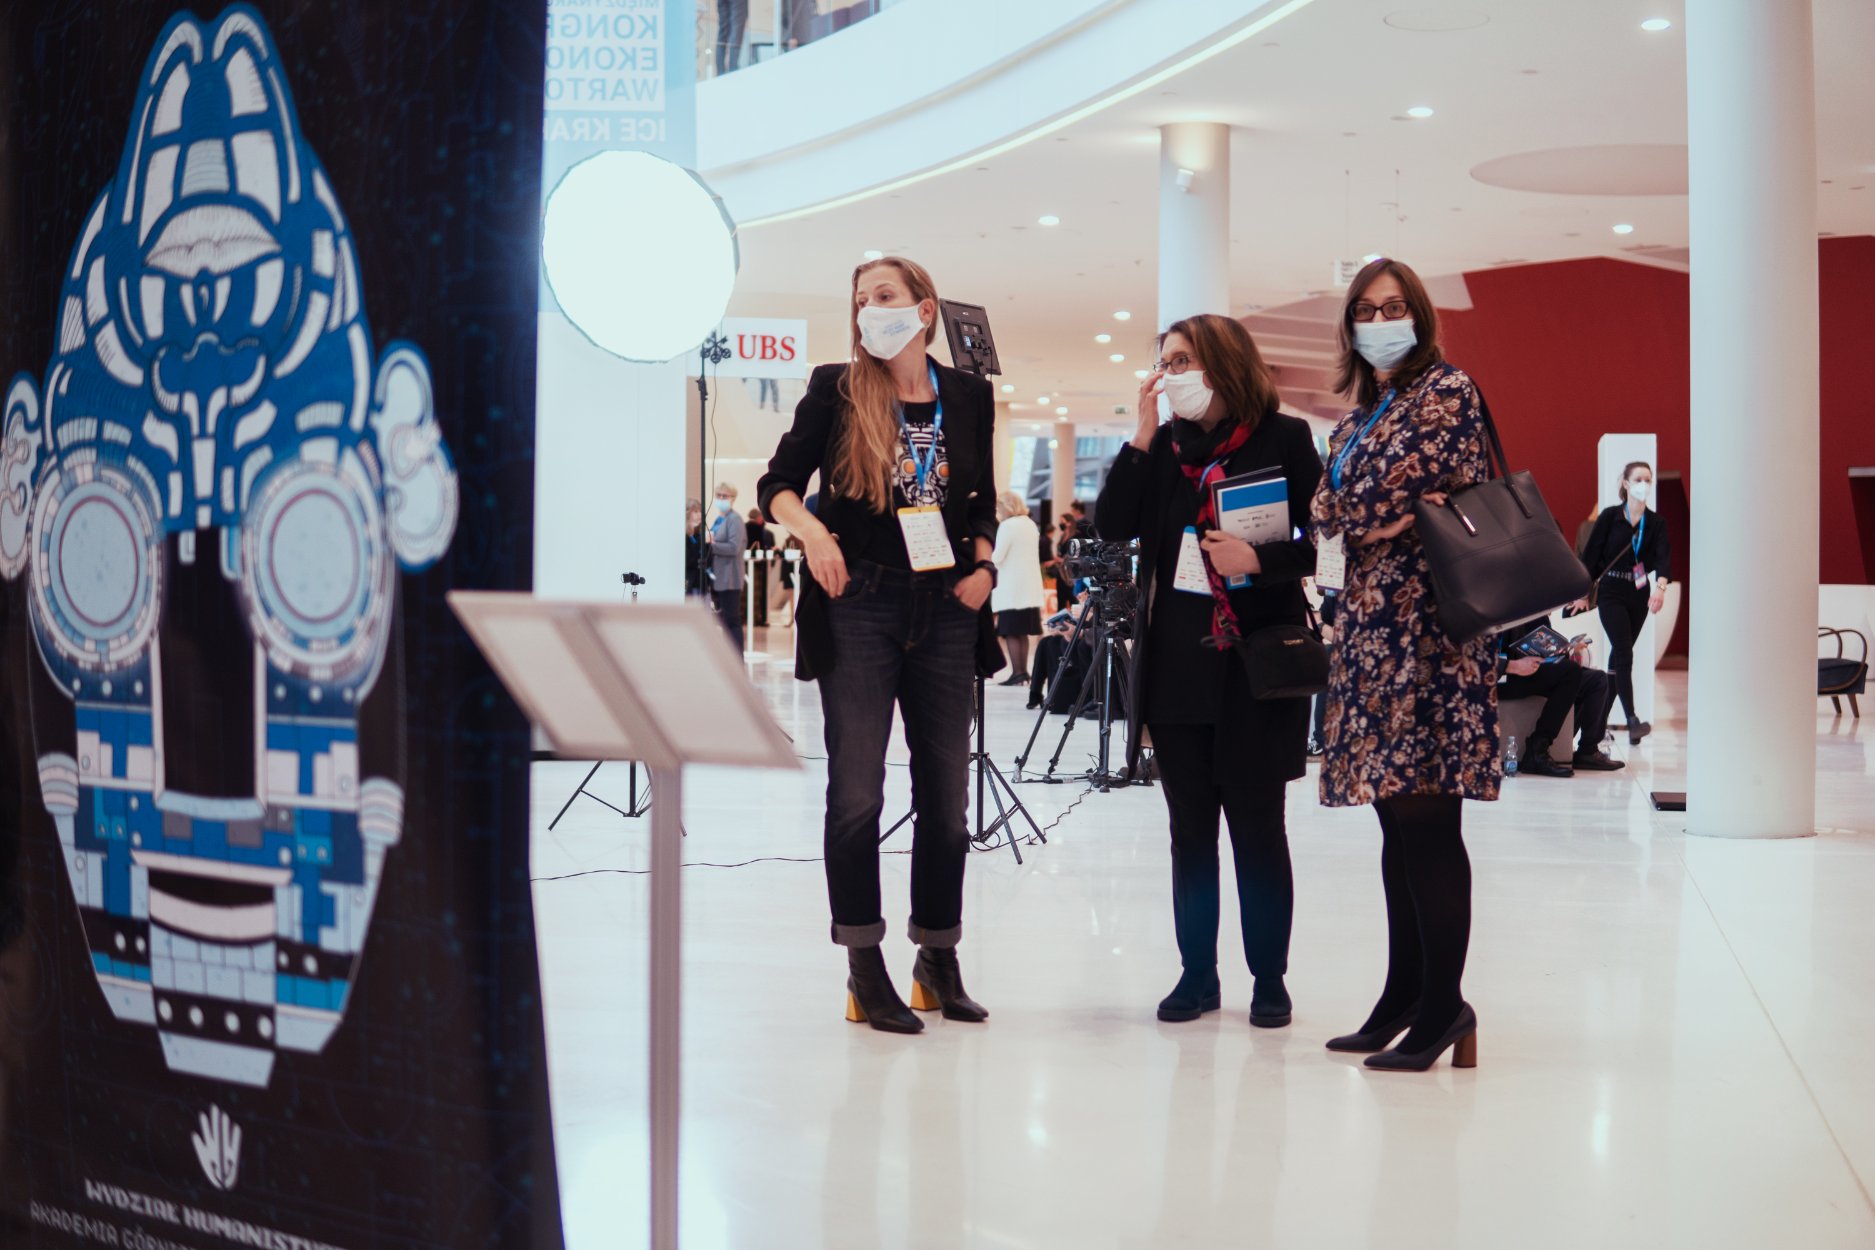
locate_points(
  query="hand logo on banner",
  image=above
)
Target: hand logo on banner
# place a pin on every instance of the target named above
(218, 1147)
(210, 495)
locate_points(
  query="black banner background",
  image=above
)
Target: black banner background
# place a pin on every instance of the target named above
(425, 1121)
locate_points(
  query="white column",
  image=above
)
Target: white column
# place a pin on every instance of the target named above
(1751, 129)
(1005, 447)
(1061, 466)
(1194, 220)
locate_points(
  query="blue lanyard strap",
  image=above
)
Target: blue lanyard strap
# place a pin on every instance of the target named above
(1341, 457)
(925, 463)
(1639, 530)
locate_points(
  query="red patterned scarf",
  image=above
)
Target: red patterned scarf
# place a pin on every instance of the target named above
(1201, 458)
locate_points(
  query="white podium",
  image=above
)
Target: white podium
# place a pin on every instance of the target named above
(657, 683)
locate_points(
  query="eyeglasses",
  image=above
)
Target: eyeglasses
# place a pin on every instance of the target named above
(1392, 310)
(1178, 364)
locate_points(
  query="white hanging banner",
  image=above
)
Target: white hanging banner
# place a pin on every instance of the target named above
(764, 347)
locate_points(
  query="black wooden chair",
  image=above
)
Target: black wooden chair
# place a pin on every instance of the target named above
(1841, 676)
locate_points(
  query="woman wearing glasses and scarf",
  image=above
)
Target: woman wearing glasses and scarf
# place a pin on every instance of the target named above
(1219, 751)
(1412, 714)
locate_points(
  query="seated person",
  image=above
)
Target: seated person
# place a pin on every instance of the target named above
(1061, 692)
(1562, 682)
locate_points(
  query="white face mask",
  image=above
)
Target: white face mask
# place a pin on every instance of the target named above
(1638, 492)
(1384, 344)
(723, 505)
(885, 332)
(1186, 392)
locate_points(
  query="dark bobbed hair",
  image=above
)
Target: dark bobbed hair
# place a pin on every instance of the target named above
(1356, 377)
(1232, 365)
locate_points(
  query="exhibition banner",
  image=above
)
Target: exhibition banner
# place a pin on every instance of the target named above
(267, 963)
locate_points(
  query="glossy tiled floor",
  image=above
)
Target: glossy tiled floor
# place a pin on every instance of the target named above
(1675, 1042)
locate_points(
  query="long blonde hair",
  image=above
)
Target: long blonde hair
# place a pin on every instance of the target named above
(868, 444)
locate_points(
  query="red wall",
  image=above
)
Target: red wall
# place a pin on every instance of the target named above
(1567, 352)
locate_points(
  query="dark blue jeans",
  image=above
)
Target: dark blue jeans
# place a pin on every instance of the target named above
(899, 638)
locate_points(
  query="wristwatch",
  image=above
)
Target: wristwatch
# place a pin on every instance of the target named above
(988, 566)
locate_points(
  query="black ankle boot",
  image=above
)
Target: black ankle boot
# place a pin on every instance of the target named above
(870, 998)
(937, 983)
(1197, 992)
(1270, 1007)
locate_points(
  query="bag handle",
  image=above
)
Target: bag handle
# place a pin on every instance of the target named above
(1499, 462)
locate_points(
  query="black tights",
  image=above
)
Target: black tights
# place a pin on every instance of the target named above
(1427, 878)
(1623, 608)
(1017, 648)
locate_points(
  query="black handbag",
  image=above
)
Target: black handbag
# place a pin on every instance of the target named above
(1285, 661)
(1497, 556)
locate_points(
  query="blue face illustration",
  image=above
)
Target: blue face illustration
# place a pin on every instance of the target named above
(209, 496)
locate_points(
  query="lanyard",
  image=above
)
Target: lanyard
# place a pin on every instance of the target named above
(1639, 530)
(1341, 458)
(925, 463)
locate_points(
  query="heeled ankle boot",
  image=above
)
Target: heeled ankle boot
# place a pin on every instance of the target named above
(937, 984)
(1462, 1038)
(870, 996)
(1197, 992)
(1270, 1007)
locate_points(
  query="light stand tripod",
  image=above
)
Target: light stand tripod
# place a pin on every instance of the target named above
(715, 351)
(639, 804)
(1109, 660)
(1008, 804)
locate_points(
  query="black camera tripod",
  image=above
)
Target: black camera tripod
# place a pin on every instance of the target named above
(1008, 805)
(1110, 664)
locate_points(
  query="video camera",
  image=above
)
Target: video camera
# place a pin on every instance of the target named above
(1099, 561)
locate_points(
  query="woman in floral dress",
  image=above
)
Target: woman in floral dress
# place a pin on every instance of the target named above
(1411, 722)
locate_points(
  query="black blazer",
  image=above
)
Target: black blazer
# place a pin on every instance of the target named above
(1611, 543)
(1267, 737)
(969, 507)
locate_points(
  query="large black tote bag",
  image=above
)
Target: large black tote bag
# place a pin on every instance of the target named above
(1498, 557)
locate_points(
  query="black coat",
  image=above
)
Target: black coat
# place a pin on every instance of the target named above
(969, 507)
(1265, 738)
(1610, 548)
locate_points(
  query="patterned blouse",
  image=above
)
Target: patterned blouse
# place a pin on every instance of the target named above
(1409, 711)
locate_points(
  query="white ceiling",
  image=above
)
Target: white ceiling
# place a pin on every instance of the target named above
(1324, 166)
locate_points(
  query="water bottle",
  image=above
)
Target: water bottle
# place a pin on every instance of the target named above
(1510, 756)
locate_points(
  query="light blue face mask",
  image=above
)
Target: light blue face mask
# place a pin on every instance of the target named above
(1384, 344)
(722, 505)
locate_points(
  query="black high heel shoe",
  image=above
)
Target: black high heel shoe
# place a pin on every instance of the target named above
(937, 984)
(1378, 1038)
(1462, 1037)
(870, 996)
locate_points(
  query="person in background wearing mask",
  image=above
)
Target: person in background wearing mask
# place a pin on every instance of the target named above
(1220, 752)
(728, 538)
(761, 546)
(1627, 546)
(1017, 599)
(1412, 713)
(892, 613)
(693, 547)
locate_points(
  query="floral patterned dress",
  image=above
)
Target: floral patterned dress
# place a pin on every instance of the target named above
(1409, 711)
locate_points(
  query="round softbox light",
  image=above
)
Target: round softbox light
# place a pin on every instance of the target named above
(640, 255)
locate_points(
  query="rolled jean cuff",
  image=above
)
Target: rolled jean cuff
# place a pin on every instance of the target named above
(937, 939)
(859, 935)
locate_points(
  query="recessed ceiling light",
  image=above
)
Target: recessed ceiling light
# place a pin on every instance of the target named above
(1054, 444)
(1419, 110)
(1061, 412)
(1008, 387)
(1624, 228)
(875, 254)
(1370, 258)
(1117, 358)
(1103, 338)
(1041, 399)
(1123, 315)
(1142, 374)
(1048, 220)
(1656, 23)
